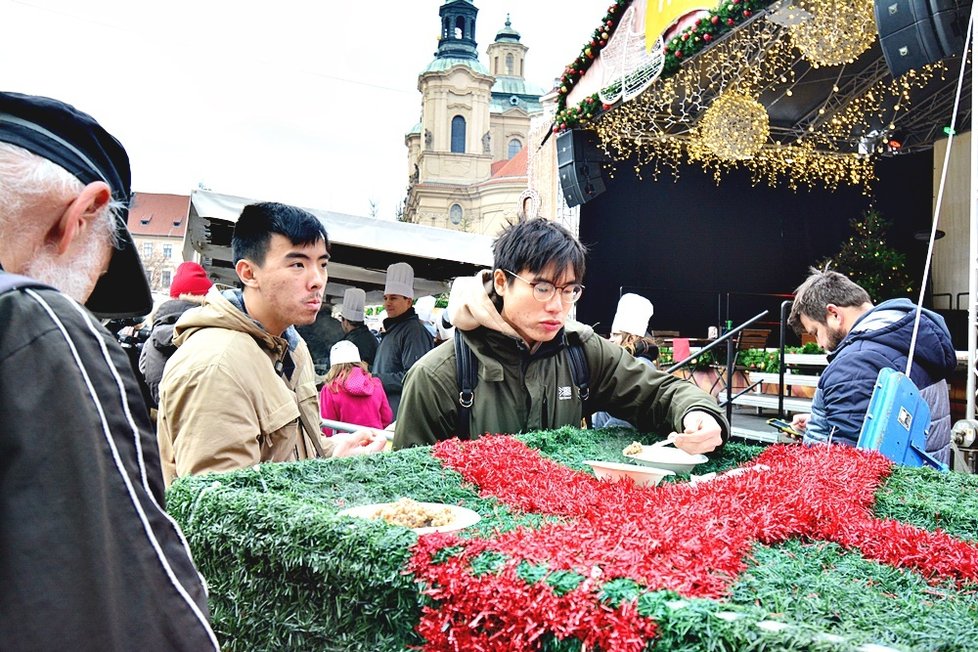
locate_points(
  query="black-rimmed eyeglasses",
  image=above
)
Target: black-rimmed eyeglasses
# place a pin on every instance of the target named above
(544, 291)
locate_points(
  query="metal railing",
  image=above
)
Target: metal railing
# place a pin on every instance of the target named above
(728, 339)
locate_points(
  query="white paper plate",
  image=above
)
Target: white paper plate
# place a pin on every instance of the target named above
(667, 457)
(642, 475)
(462, 516)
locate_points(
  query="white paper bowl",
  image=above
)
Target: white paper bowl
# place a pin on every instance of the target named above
(667, 457)
(642, 475)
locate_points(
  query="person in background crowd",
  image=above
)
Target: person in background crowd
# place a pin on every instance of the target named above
(861, 339)
(187, 290)
(405, 339)
(424, 306)
(240, 388)
(320, 336)
(515, 321)
(629, 330)
(89, 560)
(351, 317)
(350, 393)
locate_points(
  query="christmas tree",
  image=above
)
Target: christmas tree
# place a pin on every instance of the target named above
(869, 261)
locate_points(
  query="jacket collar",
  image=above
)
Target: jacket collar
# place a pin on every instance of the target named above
(407, 315)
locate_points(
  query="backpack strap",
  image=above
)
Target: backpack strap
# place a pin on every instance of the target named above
(10, 282)
(466, 370)
(579, 369)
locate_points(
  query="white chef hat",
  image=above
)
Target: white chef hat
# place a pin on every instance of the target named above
(633, 315)
(344, 351)
(400, 280)
(353, 300)
(423, 306)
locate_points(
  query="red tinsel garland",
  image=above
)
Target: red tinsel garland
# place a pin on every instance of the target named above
(690, 539)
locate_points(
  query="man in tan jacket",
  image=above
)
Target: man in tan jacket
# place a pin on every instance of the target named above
(240, 388)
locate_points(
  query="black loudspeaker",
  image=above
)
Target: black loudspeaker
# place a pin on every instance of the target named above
(579, 161)
(914, 33)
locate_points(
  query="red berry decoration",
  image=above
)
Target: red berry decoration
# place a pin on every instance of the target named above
(686, 36)
(679, 54)
(746, 13)
(602, 43)
(730, 21)
(715, 20)
(606, 107)
(707, 37)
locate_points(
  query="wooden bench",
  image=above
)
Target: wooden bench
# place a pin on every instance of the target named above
(804, 380)
(769, 401)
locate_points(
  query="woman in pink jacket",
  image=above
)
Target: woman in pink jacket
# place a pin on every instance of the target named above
(350, 393)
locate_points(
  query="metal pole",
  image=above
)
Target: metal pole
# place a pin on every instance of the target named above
(973, 239)
(784, 324)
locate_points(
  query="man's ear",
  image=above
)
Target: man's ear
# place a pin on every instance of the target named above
(79, 215)
(832, 310)
(246, 272)
(499, 281)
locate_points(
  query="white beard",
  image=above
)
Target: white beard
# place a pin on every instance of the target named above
(75, 277)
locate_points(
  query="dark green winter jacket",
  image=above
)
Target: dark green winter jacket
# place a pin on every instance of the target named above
(521, 392)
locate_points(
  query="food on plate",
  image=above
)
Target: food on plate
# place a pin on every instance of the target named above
(410, 513)
(633, 448)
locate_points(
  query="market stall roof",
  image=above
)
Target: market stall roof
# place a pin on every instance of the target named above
(362, 247)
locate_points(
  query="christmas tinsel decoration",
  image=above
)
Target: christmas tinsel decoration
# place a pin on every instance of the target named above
(822, 548)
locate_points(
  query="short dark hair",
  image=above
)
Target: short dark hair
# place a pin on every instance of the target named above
(536, 245)
(821, 288)
(258, 222)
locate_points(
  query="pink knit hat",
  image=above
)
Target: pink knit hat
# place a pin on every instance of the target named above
(190, 279)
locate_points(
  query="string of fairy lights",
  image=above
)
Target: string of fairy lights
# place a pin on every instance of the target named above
(714, 111)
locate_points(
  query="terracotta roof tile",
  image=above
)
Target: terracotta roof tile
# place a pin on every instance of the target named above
(514, 167)
(153, 214)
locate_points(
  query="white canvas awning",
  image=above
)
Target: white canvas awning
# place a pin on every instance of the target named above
(362, 247)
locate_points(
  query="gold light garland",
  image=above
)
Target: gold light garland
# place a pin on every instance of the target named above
(671, 124)
(735, 127)
(837, 32)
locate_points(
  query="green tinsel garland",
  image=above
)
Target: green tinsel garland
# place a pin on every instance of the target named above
(286, 573)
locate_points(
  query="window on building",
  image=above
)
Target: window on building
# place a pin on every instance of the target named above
(455, 214)
(458, 134)
(509, 64)
(459, 27)
(514, 148)
(168, 251)
(147, 249)
(165, 278)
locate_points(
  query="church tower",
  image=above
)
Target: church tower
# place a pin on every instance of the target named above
(473, 121)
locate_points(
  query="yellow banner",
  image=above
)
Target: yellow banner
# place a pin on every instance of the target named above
(660, 14)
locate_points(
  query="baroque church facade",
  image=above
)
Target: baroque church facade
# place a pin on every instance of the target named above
(467, 157)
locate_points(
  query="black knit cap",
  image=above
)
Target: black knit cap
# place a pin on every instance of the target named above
(73, 140)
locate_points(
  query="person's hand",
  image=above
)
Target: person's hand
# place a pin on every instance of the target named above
(800, 421)
(701, 433)
(360, 442)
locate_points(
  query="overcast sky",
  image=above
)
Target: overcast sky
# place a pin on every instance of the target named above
(300, 101)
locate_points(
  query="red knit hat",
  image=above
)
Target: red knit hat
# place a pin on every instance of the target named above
(190, 279)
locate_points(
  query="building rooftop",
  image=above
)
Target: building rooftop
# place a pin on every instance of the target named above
(155, 214)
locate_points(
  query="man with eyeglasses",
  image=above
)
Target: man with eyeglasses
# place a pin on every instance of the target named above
(515, 323)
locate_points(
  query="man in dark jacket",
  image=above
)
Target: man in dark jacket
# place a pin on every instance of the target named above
(518, 329)
(187, 291)
(405, 338)
(861, 340)
(351, 317)
(89, 560)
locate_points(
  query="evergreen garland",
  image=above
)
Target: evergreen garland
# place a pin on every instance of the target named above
(284, 572)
